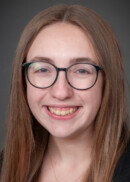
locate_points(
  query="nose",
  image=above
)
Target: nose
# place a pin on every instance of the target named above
(61, 90)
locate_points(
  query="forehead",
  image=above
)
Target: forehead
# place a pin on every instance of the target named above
(61, 40)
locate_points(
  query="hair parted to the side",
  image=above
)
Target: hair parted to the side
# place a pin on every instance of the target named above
(27, 140)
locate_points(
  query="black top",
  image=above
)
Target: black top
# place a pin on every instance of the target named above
(1, 159)
(122, 171)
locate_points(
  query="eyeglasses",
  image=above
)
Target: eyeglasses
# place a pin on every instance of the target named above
(80, 76)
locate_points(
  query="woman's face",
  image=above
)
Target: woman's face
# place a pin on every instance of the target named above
(61, 109)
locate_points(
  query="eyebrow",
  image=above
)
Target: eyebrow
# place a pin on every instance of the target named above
(82, 60)
(71, 61)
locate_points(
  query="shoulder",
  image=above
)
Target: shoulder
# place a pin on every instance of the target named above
(122, 171)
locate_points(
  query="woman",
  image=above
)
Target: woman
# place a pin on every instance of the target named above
(67, 113)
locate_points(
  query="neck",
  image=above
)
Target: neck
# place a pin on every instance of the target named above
(68, 159)
(72, 149)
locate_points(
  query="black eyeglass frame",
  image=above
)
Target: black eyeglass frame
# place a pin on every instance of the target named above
(26, 65)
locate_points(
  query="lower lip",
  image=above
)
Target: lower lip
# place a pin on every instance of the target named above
(59, 117)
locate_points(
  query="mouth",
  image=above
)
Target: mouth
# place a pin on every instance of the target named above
(62, 111)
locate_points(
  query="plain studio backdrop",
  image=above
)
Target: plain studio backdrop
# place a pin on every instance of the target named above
(15, 14)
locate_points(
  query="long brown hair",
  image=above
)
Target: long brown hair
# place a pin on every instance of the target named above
(27, 140)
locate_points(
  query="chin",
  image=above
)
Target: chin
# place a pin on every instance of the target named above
(61, 134)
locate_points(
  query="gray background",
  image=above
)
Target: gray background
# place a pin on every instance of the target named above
(15, 14)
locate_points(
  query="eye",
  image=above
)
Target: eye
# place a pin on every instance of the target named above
(42, 70)
(82, 71)
(40, 67)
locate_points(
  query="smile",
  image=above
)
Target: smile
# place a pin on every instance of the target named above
(62, 111)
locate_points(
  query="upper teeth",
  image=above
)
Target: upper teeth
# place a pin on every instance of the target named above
(62, 112)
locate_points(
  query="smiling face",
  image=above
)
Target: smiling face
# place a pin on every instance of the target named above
(61, 109)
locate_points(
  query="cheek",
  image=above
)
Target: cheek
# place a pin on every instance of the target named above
(31, 98)
(34, 97)
(92, 98)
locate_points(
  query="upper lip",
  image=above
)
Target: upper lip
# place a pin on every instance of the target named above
(63, 106)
